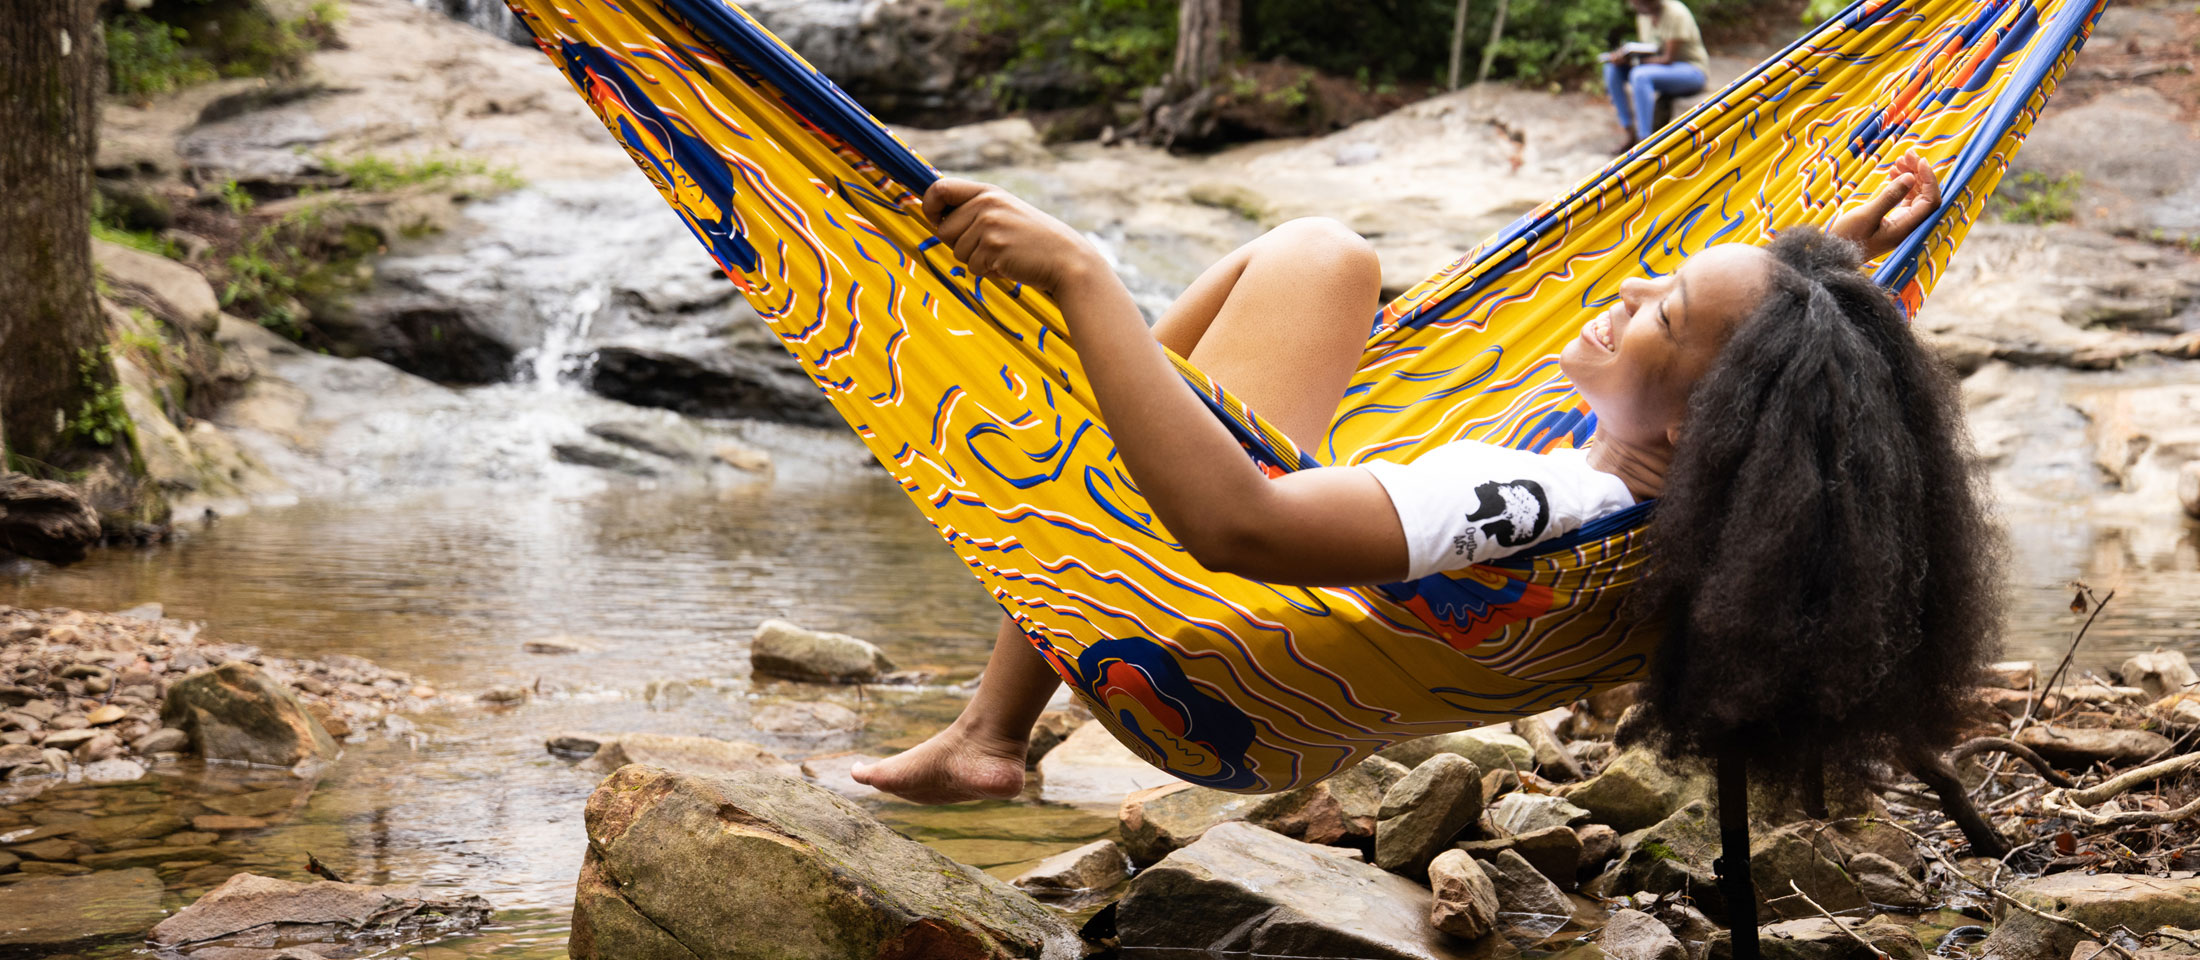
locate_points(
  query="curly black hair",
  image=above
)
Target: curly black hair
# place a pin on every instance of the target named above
(1823, 557)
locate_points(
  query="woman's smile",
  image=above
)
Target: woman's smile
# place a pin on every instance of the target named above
(1598, 331)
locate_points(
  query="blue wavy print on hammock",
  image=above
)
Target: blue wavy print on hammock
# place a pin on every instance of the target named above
(973, 400)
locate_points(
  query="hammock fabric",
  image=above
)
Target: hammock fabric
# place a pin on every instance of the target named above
(973, 398)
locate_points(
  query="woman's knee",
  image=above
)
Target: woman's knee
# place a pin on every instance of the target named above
(1325, 244)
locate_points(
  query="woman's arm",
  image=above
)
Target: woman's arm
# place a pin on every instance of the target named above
(1672, 50)
(1314, 527)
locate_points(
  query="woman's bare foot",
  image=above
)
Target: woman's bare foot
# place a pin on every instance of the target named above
(954, 765)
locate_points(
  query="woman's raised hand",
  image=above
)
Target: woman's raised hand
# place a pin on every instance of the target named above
(1002, 238)
(1896, 211)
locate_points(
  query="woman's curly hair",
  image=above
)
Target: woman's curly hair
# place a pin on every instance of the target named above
(1822, 556)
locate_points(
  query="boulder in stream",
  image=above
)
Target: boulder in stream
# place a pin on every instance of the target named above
(51, 911)
(237, 712)
(705, 756)
(254, 911)
(781, 649)
(1091, 767)
(681, 866)
(1245, 890)
(2104, 902)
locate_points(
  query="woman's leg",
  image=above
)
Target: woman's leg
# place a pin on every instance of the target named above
(1615, 84)
(1280, 323)
(1652, 80)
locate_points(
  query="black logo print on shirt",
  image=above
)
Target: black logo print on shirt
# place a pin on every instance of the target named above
(1516, 512)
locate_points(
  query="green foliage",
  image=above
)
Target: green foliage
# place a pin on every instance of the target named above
(146, 56)
(373, 172)
(107, 225)
(2033, 197)
(1079, 49)
(236, 198)
(102, 418)
(1820, 11)
(295, 264)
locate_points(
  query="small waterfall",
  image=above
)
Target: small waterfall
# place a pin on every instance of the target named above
(561, 360)
(489, 15)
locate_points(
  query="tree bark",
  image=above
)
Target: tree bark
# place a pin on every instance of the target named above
(1208, 41)
(52, 66)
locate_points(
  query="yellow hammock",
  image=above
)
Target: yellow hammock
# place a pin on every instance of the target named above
(972, 398)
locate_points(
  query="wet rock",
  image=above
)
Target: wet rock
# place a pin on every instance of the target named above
(1359, 792)
(1817, 938)
(559, 645)
(1310, 813)
(1635, 935)
(50, 868)
(1886, 884)
(834, 771)
(806, 718)
(702, 756)
(1092, 767)
(143, 826)
(1599, 844)
(2106, 901)
(2161, 673)
(163, 740)
(1555, 852)
(19, 754)
(1637, 789)
(718, 380)
(1257, 892)
(1157, 821)
(51, 848)
(148, 857)
(219, 823)
(1465, 901)
(1800, 854)
(45, 520)
(2083, 747)
(1423, 813)
(1491, 748)
(1048, 732)
(98, 748)
(1529, 905)
(2013, 674)
(1518, 813)
(8, 861)
(1098, 865)
(781, 649)
(250, 910)
(52, 911)
(236, 712)
(1671, 856)
(681, 866)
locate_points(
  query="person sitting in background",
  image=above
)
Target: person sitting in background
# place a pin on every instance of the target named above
(1669, 61)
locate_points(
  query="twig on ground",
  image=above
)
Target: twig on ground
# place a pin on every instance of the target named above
(1837, 924)
(2013, 799)
(2124, 782)
(2032, 705)
(2013, 748)
(2058, 804)
(1933, 850)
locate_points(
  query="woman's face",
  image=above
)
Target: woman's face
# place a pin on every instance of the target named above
(1636, 362)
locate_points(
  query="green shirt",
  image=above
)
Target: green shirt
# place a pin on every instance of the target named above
(1674, 22)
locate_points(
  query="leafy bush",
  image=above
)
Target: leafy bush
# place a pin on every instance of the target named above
(375, 172)
(1073, 51)
(101, 418)
(146, 56)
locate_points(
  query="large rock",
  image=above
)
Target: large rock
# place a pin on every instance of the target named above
(1529, 905)
(701, 756)
(1518, 813)
(1635, 935)
(2137, 902)
(2136, 159)
(1671, 856)
(53, 911)
(1091, 767)
(1098, 865)
(44, 520)
(1817, 938)
(782, 649)
(1359, 791)
(710, 379)
(1425, 811)
(1311, 813)
(1675, 855)
(237, 712)
(1161, 820)
(2084, 746)
(756, 864)
(1556, 852)
(1465, 903)
(1802, 855)
(177, 294)
(1493, 747)
(910, 61)
(2161, 673)
(249, 909)
(1637, 789)
(1242, 889)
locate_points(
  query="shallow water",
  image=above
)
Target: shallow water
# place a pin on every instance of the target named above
(668, 585)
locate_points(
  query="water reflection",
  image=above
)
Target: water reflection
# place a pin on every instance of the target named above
(663, 588)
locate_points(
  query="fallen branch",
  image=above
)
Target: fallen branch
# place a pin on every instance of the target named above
(2013, 748)
(1933, 850)
(2058, 804)
(2124, 782)
(1837, 924)
(2055, 679)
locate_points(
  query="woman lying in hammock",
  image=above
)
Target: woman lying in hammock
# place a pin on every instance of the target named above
(1817, 514)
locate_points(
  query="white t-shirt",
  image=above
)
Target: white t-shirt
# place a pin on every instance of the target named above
(1468, 502)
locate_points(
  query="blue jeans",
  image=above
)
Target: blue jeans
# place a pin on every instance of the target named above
(1635, 90)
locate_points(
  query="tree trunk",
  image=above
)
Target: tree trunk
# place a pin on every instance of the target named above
(1181, 109)
(51, 68)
